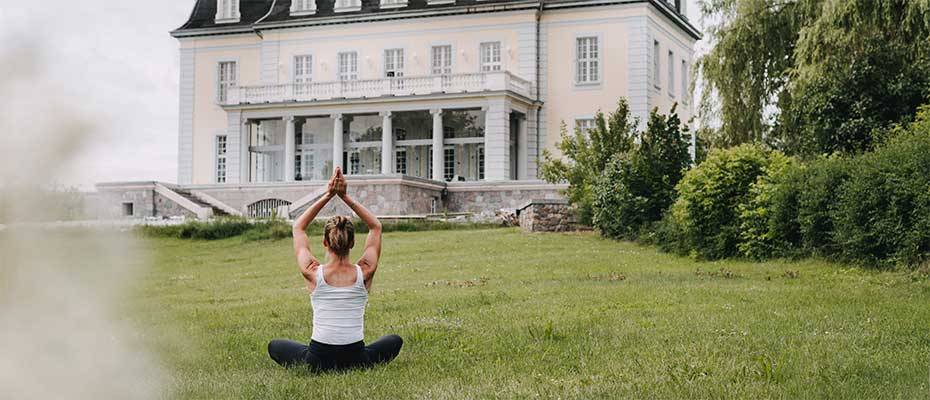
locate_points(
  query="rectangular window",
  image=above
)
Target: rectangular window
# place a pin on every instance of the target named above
(303, 69)
(655, 63)
(671, 73)
(584, 125)
(221, 159)
(227, 11)
(348, 66)
(442, 60)
(400, 161)
(684, 82)
(303, 7)
(393, 3)
(394, 67)
(347, 5)
(225, 80)
(448, 165)
(490, 56)
(354, 163)
(429, 162)
(480, 162)
(587, 60)
(128, 210)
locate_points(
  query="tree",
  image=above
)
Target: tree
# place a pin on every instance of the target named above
(639, 186)
(815, 75)
(585, 155)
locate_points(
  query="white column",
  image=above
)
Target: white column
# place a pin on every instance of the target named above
(289, 147)
(245, 161)
(521, 149)
(497, 141)
(337, 142)
(387, 143)
(437, 145)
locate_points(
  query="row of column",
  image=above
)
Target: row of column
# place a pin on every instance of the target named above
(497, 137)
(387, 144)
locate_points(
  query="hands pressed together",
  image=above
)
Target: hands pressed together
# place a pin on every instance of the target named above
(337, 184)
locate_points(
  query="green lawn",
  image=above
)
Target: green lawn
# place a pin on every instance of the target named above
(502, 314)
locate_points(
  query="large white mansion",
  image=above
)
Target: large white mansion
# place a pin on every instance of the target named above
(420, 101)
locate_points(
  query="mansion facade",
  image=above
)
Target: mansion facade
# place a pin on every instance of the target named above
(444, 97)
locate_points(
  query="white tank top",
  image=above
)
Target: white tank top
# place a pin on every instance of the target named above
(339, 312)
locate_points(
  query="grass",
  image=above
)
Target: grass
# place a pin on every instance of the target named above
(501, 314)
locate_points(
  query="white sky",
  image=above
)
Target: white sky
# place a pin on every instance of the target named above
(116, 63)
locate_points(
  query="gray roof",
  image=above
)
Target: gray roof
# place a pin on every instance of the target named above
(259, 14)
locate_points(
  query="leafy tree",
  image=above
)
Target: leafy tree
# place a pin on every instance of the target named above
(826, 74)
(639, 186)
(586, 155)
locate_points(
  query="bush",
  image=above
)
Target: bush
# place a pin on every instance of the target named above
(586, 156)
(705, 218)
(769, 220)
(636, 188)
(883, 212)
(817, 201)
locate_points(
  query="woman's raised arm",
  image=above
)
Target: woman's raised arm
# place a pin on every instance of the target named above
(305, 259)
(372, 252)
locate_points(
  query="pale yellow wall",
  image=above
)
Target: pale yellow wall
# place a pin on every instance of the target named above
(416, 37)
(671, 38)
(209, 118)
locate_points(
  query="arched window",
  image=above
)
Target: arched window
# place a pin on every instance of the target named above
(267, 208)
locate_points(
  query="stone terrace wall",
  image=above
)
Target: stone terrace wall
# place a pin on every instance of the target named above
(546, 215)
(481, 197)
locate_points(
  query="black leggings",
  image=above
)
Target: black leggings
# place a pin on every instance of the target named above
(328, 357)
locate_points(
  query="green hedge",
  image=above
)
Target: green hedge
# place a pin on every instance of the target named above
(273, 229)
(872, 209)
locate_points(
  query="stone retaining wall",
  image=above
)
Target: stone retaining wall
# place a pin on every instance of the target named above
(547, 215)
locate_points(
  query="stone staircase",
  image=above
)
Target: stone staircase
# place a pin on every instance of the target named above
(217, 211)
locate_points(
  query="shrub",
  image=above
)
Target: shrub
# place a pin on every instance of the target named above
(705, 217)
(586, 156)
(883, 212)
(769, 220)
(817, 201)
(636, 188)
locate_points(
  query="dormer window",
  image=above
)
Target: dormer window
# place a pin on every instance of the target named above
(303, 7)
(393, 3)
(347, 5)
(227, 11)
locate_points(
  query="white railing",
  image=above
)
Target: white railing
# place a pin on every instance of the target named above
(373, 88)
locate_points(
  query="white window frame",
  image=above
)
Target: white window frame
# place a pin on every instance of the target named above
(393, 4)
(480, 151)
(656, 48)
(221, 162)
(489, 64)
(226, 81)
(347, 75)
(671, 74)
(685, 89)
(302, 69)
(347, 6)
(448, 163)
(400, 160)
(303, 7)
(227, 11)
(440, 69)
(394, 62)
(584, 61)
(585, 124)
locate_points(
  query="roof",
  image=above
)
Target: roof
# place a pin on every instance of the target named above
(269, 14)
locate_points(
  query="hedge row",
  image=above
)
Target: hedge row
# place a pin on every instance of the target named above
(872, 209)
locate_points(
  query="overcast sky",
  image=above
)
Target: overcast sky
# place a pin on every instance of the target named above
(116, 63)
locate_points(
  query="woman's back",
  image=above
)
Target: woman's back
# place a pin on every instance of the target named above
(339, 306)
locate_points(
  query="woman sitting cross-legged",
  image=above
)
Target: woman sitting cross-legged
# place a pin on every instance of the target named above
(339, 292)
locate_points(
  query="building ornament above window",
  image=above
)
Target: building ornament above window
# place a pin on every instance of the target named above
(303, 7)
(227, 11)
